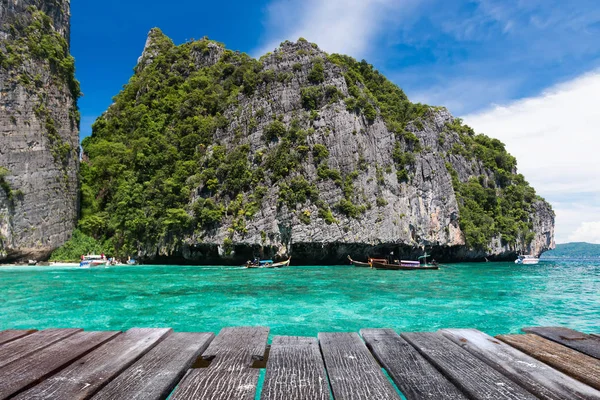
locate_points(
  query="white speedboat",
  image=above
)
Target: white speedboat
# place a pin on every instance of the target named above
(93, 261)
(527, 260)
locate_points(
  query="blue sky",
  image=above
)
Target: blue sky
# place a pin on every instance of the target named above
(505, 65)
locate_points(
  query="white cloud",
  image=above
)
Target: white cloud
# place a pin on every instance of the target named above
(460, 94)
(340, 26)
(571, 215)
(555, 139)
(587, 232)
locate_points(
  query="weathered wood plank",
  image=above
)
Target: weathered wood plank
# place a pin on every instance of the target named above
(23, 373)
(13, 334)
(155, 375)
(353, 372)
(535, 376)
(230, 374)
(90, 373)
(467, 372)
(415, 377)
(581, 342)
(30, 344)
(580, 366)
(295, 370)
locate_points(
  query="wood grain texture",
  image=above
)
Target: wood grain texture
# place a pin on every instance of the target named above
(580, 366)
(295, 370)
(415, 377)
(26, 371)
(535, 376)
(90, 373)
(230, 374)
(568, 337)
(13, 334)
(353, 372)
(467, 372)
(155, 375)
(31, 343)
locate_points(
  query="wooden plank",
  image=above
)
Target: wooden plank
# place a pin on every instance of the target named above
(295, 370)
(13, 334)
(230, 374)
(353, 372)
(415, 377)
(23, 373)
(90, 373)
(581, 342)
(580, 366)
(467, 372)
(154, 376)
(30, 344)
(535, 376)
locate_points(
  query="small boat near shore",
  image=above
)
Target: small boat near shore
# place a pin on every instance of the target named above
(368, 264)
(408, 265)
(268, 264)
(404, 265)
(93, 260)
(527, 260)
(383, 263)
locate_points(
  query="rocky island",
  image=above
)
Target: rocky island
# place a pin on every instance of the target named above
(209, 156)
(39, 129)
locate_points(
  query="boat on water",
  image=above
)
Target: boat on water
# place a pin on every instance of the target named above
(404, 265)
(368, 264)
(407, 265)
(268, 264)
(93, 260)
(527, 260)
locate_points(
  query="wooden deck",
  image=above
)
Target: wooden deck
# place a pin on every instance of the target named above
(143, 363)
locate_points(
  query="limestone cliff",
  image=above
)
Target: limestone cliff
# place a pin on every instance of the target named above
(299, 153)
(39, 128)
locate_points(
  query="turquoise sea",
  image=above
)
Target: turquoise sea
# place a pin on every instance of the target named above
(493, 297)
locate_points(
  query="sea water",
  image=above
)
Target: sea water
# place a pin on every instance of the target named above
(493, 297)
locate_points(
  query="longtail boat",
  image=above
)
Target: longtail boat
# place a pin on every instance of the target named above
(268, 264)
(403, 265)
(282, 264)
(359, 264)
(406, 265)
(368, 264)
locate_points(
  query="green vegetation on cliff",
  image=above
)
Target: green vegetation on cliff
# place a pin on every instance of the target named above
(32, 36)
(159, 169)
(148, 152)
(574, 251)
(491, 207)
(80, 244)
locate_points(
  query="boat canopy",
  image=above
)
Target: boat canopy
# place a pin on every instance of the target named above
(405, 262)
(266, 262)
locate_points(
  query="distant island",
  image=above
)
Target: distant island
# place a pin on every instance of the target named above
(575, 250)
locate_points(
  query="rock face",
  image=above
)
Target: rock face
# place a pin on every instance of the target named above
(39, 129)
(378, 189)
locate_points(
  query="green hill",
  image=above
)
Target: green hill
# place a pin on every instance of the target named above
(574, 250)
(210, 156)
